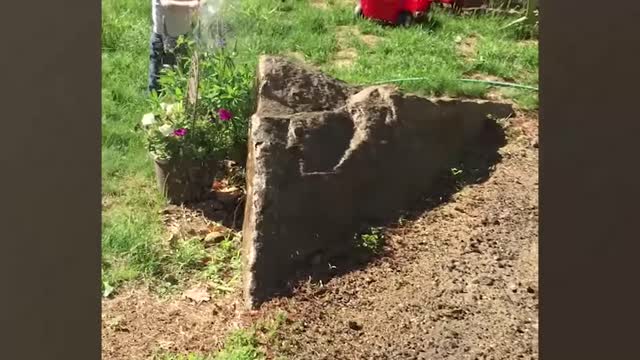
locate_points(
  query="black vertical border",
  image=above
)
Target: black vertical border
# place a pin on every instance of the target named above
(589, 167)
(50, 179)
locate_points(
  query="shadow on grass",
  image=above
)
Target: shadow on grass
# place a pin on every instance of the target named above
(431, 24)
(428, 24)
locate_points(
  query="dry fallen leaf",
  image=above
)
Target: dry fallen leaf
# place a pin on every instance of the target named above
(198, 294)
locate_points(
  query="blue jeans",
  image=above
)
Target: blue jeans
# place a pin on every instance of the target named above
(159, 57)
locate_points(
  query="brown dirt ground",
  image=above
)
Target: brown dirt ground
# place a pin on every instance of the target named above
(460, 282)
(140, 325)
(467, 47)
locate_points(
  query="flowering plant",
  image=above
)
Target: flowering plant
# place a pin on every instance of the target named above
(202, 122)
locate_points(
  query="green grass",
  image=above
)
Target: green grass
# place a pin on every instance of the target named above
(131, 221)
(427, 50)
(132, 230)
(372, 240)
(242, 344)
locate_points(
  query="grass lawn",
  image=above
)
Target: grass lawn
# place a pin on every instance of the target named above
(357, 51)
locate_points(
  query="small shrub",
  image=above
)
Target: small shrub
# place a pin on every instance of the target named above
(216, 123)
(189, 255)
(372, 240)
(225, 263)
(241, 345)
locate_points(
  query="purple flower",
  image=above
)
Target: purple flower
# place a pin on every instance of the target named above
(225, 115)
(180, 132)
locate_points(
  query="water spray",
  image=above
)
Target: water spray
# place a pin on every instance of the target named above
(211, 30)
(209, 34)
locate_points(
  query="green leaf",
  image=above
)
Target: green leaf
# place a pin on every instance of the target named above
(107, 289)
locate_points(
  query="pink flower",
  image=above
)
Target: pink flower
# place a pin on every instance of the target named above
(180, 132)
(225, 115)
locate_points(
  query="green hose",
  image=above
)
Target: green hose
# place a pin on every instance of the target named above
(488, 82)
(500, 83)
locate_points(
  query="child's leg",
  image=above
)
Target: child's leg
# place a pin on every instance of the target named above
(181, 52)
(156, 59)
(164, 52)
(172, 51)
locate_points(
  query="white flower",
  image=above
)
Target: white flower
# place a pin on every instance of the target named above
(165, 129)
(148, 119)
(171, 109)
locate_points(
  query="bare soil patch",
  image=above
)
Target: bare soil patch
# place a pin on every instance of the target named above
(494, 94)
(368, 39)
(467, 47)
(486, 77)
(347, 55)
(346, 32)
(221, 211)
(320, 4)
(138, 325)
(345, 58)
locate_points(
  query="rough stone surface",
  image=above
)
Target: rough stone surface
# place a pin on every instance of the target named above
(325, 157)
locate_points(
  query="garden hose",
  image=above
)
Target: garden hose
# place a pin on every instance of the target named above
(500, 83)
(488, 82)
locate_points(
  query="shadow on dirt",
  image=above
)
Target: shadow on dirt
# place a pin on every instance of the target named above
(230, 215)
(229, 211)
(475, 167)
